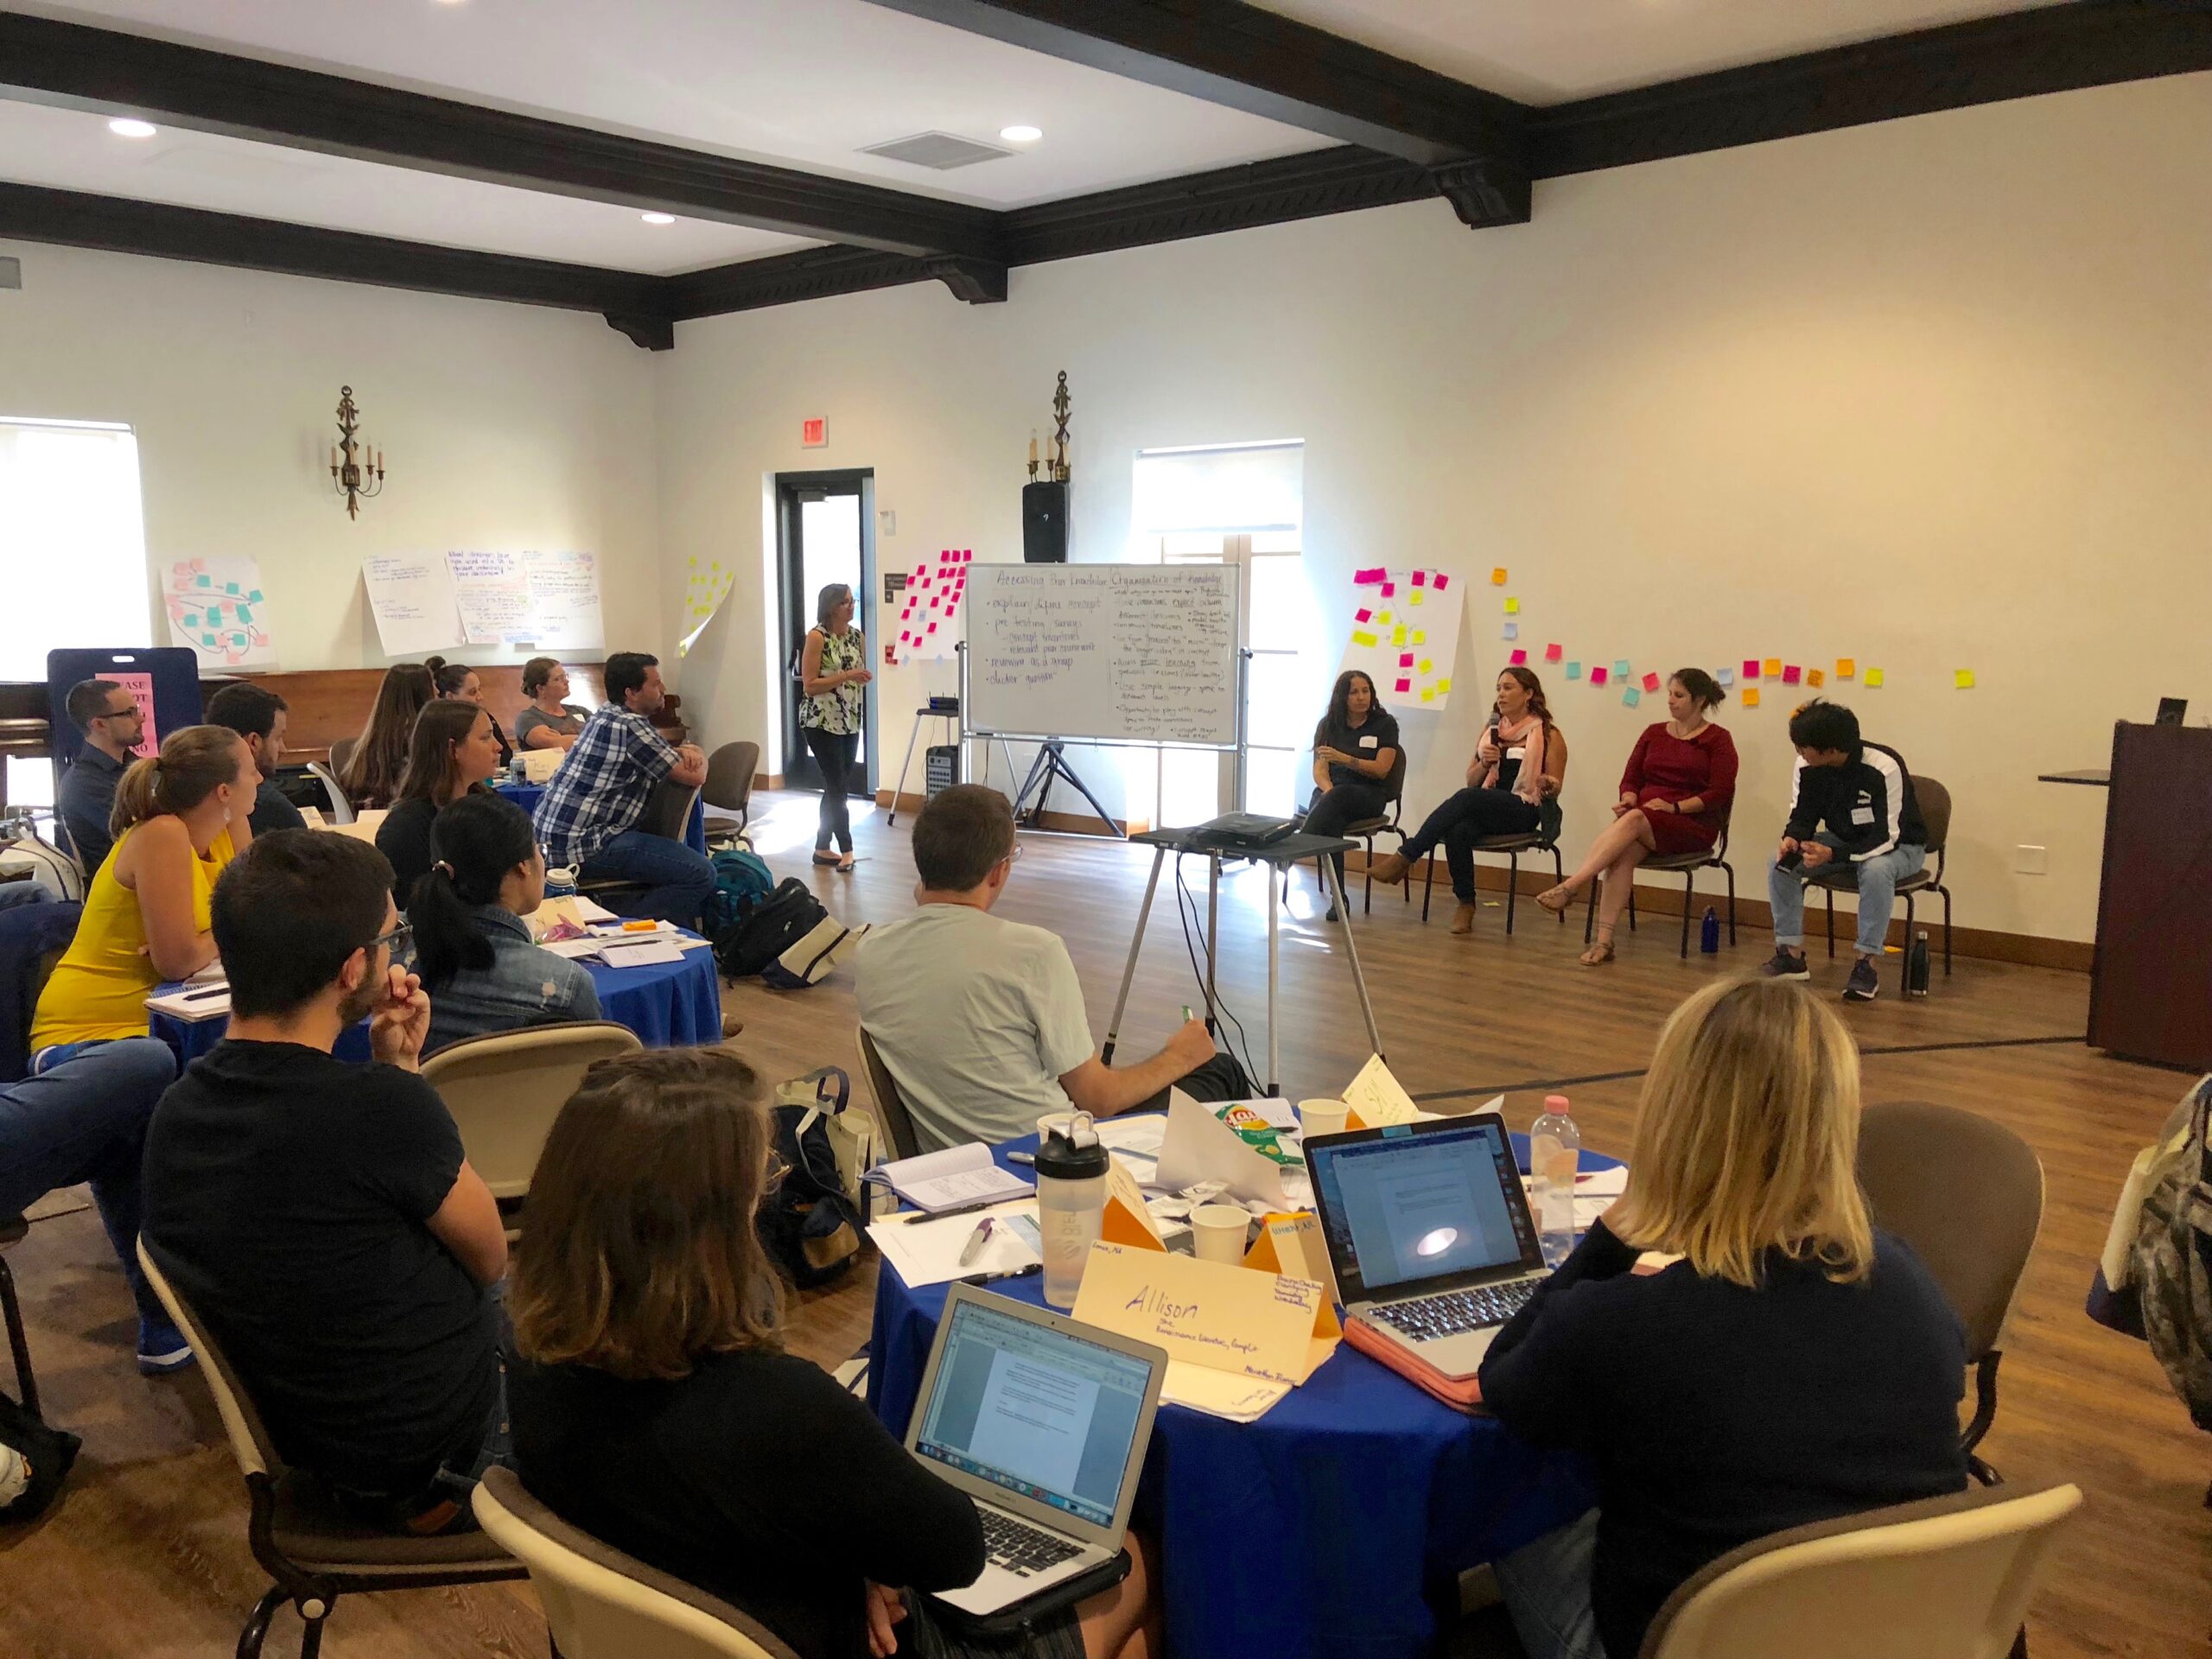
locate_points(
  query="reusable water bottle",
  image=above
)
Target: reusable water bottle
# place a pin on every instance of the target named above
(1555, 1150)
(1916, 967)
(1071, 1165)
(517, 773)
(1708, 933)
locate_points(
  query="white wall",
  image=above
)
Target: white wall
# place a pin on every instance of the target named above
(1932, 394)
(503, 426)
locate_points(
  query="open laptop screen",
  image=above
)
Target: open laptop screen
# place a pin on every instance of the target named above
(1408, 1208)
(1037, 1411)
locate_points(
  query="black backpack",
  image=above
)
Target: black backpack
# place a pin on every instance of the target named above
(767, 926)
(807, 1225)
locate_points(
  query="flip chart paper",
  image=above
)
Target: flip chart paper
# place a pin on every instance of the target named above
(1845, 668)
(1963, 679)
(564, 608)
(1385, 644)
(411, 596)
(1553, 653)
(934, 592)
(1652, 682)
(215, 605)
(493, 596)
(1750, 696)
(1219, 1315)
(707, 585)
(1873, 679)
(1632, 696)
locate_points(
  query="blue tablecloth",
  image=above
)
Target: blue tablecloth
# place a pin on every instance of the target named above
(669, 1005)
(526, 795)
(1329, 1528)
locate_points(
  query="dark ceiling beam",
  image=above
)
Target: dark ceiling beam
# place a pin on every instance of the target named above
(818, 273)
(1986, 61)
(77, 67)
(635, 305)
(1250, 58)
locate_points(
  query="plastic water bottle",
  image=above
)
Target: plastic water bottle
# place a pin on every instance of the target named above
(1916, 967)
(1555, 1150)
(1708, 933)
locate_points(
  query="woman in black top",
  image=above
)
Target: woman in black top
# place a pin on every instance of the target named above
(1790, 1366)
(1355, 749)
(653, 1406)
(457, 682)
(451, 753)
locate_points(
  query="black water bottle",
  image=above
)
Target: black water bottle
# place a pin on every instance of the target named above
(1916, 967)
(1708, 933)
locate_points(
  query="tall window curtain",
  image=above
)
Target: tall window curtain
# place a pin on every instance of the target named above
(73, 541)
(1235, 489)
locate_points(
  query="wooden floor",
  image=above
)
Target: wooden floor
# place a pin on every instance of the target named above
(146, 1553)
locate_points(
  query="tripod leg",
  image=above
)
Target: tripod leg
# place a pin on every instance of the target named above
(1213, 931)
(904, 767)
(1130, 973)
(1060, 765)
(1037, 769)
(1351, 949)
(1275, 913)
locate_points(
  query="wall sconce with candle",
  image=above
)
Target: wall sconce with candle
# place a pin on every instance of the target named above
(356, 470)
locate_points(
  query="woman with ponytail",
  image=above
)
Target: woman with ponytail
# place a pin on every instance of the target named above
(180, 818)
(457, 682)
(473, 947)
(453, 752)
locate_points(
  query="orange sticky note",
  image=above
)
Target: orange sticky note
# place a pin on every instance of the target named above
(1774, 668)
(1750, 696)
(1846, 667)
(1497, 576)
(1815, 678)
(1873, 679)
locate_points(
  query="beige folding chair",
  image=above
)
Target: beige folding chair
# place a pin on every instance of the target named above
(730, 771)
(1947, 1577)
(890, 1107)
(506, 1088)
(1967, 1194)
(311, 1549)
(601, 1604)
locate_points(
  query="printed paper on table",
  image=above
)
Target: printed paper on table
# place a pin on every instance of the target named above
(1372, 643)
(215, 605)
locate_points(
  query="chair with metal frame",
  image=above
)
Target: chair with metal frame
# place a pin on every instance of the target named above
(1686, 864)
(1543, 839)
(730, 771)
(341, 809)
(1385, 824)
(312, 1550)
(1935, 801)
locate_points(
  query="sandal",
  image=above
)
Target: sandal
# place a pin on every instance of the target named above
(1601, 953)
(845, 864)
(1557, 898)
(824, 856)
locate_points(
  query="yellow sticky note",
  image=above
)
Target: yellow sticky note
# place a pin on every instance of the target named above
(1846, 667)
(1873, 677)
(1361, 639)
(1813, 678)
(1425, 665)
(1512, 605)
(1414, 597)
(1773, 668)
(1421, 636)
(1428, 694)
(1383, 617)
(1497, 576)
(1444, 687)
(1963, 678)
(1398, 634)
(1750, 696)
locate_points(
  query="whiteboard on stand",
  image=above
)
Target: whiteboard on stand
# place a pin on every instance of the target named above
(1115, 653)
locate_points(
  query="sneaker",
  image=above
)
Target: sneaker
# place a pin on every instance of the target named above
(161, 1348)
(1786, 964)
(1866, 982)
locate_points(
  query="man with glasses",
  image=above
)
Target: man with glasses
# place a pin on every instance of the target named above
(979, 1020)
(112, 724)
(320, 1217)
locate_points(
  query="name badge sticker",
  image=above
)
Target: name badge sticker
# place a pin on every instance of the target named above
(1367, 742)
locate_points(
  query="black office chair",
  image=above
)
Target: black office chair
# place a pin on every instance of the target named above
(1365, 830)
(1543, 839)
(1936, 813)
(668, 810)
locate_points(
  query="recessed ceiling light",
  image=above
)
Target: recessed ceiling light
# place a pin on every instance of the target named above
(125, 126)
(658, 219)
(1021, 135)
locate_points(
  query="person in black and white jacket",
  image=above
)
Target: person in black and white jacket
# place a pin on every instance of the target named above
(1854, 806)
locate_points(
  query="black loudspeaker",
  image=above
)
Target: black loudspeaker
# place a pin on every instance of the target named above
(1045, 524)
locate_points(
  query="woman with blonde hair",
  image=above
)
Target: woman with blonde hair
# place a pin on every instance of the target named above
(654, 1407)
(179, 818)
(1783, 1364)
(372, 773)
(833, 714)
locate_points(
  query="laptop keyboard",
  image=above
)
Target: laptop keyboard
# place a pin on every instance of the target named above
(1022, 1548)
(1452, 1312)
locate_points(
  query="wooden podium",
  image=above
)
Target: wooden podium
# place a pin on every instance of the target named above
(2150, 989)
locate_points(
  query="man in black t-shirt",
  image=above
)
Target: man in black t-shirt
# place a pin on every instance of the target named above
(320, 1217)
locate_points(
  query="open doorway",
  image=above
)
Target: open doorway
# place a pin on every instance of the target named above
(825, 532)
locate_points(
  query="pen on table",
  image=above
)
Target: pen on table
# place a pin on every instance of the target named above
(976, 1240)
(993, 1278)
(1029, 1158)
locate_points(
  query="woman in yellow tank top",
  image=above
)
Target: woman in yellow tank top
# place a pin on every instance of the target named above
(179, 818)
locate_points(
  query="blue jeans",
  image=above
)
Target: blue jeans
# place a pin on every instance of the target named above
(1878, 894)
(1547, 1590)
(83, 1118)
(676, 879)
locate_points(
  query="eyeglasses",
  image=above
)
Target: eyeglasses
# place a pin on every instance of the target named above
(1014, 857)
(399, 938)
(129, 712)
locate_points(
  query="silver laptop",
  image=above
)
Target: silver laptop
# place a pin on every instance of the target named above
(1044, 1422)
(1429, 1233)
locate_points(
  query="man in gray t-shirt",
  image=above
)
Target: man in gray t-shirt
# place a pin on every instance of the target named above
(979, 1020)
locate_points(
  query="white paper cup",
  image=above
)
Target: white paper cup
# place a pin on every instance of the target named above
(1218, 1232)
(1322, 1117)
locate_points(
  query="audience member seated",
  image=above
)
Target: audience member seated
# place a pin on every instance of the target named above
(655, 1408)
(83, 1119)
(1789, 1365)
(259, 717)
(588, 817)
(1675, 793)
(1854, 811)
(455, 682)
(1518, 766)
(179, 818)
(321, 1217)
(472, 949)
(979, 1020)
(372, 773)
(453, 752)
(549, 722)
(1355, 747)
(112, 725)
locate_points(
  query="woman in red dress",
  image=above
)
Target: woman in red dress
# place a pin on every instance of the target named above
(1676, 792)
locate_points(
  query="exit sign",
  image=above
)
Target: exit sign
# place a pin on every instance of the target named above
(814, 433)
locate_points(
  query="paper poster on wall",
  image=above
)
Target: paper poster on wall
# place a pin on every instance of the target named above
(411, 596)
(564, 606)
(1382, 624)
(493, 598)
(216, 606)
(707, 585)
(927, 625)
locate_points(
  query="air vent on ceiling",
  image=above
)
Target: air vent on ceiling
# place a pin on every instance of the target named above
(940, 151)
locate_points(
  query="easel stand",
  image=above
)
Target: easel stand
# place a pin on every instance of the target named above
(1051, 763)
(1278, 858)
(951, 717)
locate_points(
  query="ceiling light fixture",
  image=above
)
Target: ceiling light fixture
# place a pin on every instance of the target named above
(125, 126)
(1021, 135)
(658, 219)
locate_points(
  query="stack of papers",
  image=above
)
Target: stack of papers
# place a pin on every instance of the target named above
(927, 1249)
(193, 1001)
(959, 1177)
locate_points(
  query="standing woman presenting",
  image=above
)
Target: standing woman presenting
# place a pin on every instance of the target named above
(833, 673)
(1676, 792)
(1355, 747)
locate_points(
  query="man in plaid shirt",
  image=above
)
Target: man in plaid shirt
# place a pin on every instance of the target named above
(587, 819)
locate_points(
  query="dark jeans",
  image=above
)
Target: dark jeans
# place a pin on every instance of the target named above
(83, 1118)
(677, 881)
(1329, 810)
(1219, 1078)
(834, 753)
(1461, 821)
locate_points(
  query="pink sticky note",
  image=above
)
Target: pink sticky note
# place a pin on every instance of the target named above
(1791, 674)
(1652, 682)
(1442, 581)
(1363, 615)
(1389, 589)
(1518, 658)
(1367, 578)
(903, 636)
(1553, 653)
(1597, 677)
(967, 555)
(932, 628)
(1405, 660)
(1751, 668)
(1404, 685)
(1421, 578)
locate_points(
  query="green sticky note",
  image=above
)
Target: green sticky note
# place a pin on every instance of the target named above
(254, 597)
(208, 640)
(1620, 668)
(202, 581)
(1574, 671)
(230, 587)
(244, 615)
(1632, 696)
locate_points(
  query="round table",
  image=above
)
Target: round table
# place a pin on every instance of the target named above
(527, 795)
(668, 1004)
(1333, 1526)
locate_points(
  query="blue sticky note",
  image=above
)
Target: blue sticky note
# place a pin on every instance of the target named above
(202, 581)
(1632, 696)
(1620, 668)
(244, 614)
(1574, 671)
(254, 598)
(1513, 630)
(1725, 677)
(230, 587)
(208, 640)
(190, 620)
